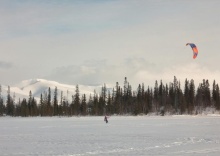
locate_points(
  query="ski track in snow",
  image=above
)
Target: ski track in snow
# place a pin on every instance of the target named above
(85, 136)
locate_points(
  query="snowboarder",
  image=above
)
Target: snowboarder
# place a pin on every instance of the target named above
(106, 119)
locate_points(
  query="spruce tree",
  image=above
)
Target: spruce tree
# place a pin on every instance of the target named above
(171, 97)
(61, 104)
(41, 105)
(49, 108)
(125, 95)
(138, 106)
(35, 111)
(9, 104)
(84, 105)
(161, 98)
(175, 85)
(90, 105)
(216, 96)
(102, 100)
(65, 107)
(77, 101)
(117, 99)
(161, 94)
(186, 95)
(45, 103)
(149, 99)
(95, 109)
(217, 104)
(1, 106)
(18, 108)
(24, 108)
(199, 104)
(30, 111)
(191, 99)
(207, 94)
(166, 100)
(55, 103)
(109, 107)
(1, 102)
(156, 97)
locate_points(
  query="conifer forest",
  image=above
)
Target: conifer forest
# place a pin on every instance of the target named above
(123, 99)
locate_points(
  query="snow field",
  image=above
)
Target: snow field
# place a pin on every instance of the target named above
(123, 135)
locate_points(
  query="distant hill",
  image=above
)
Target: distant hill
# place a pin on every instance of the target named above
(38, 86)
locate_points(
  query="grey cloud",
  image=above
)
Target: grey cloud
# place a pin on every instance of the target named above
(93, 72)
(138, 63)
(88, 73)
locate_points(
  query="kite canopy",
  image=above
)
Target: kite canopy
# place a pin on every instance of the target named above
(194, 48)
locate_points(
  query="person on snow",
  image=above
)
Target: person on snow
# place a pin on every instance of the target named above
(106, 119)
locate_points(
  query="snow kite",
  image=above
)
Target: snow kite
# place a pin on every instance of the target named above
(194, 48)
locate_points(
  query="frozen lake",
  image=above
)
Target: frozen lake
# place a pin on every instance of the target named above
(85, 136)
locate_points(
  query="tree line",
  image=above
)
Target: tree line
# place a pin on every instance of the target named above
(161, 99)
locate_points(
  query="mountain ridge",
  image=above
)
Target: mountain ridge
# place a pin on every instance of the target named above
(40, 86)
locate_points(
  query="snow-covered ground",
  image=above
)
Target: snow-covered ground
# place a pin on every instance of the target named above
(127, 135)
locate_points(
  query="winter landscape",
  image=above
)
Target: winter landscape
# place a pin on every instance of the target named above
(150, 67)
(123, 135)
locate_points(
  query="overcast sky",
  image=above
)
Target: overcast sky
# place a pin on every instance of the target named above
(93, 42)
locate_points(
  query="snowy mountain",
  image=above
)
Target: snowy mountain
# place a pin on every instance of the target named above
(38, 86)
